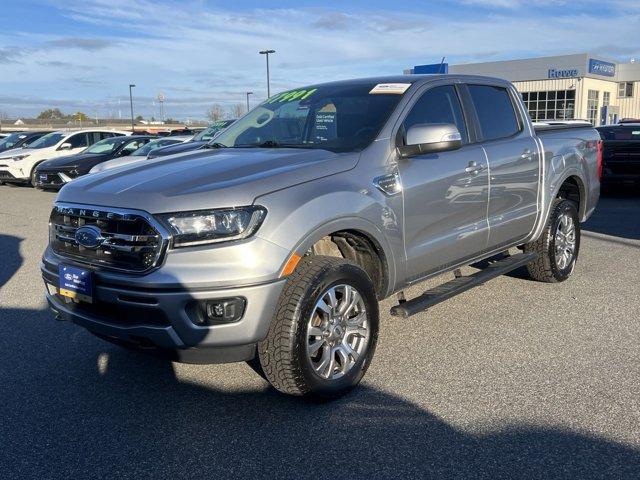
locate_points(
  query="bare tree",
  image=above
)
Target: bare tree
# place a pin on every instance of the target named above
(238, 110)
(215, 112)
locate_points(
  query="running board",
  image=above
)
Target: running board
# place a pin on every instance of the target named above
(461, 284)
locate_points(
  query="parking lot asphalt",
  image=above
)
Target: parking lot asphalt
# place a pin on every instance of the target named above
(514, 379)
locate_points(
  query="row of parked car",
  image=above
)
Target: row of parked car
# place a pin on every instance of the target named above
(49, 160)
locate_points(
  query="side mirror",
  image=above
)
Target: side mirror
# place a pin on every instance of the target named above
(65, 146)
(430, 138)
(124, 153)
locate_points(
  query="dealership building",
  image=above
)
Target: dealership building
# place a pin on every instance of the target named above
(580, 86)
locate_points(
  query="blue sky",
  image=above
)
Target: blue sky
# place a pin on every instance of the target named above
(82, 54)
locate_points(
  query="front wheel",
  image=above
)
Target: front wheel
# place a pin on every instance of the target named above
(324, 333)
(32, 177)
(558, 246)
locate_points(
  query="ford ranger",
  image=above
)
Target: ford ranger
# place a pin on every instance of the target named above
(275, 245)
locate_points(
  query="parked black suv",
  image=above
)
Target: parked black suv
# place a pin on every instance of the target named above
(53, 174)
(19, 140)
(621, 154)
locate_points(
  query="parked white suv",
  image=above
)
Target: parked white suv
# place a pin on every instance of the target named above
(19, 164)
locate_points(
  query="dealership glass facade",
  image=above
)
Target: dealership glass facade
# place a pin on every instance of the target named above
(550, 105)
(592, 106)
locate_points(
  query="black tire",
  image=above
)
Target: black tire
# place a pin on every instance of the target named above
(32, 177)
(283, 353)
(545, 268)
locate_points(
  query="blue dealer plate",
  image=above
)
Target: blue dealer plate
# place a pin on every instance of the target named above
(76, 283)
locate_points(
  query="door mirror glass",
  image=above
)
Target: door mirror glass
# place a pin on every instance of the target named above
(430, 138)
(65, 146)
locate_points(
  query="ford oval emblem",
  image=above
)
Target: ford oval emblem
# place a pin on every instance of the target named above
(89, 236)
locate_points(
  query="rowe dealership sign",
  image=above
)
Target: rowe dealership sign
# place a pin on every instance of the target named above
(596, 67)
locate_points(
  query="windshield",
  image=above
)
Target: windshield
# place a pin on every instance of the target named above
(339, 118)
(48, 140)
(104, 146)
(620, 133)
(152, 145)
(11, 140)
(211, 131)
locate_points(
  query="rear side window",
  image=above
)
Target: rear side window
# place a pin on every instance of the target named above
(495, 111)
(78, 140)
(438, 105)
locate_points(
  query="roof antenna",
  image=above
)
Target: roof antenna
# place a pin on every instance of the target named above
(440, 69)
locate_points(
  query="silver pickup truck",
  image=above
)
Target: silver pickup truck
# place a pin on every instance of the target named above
(275, 245)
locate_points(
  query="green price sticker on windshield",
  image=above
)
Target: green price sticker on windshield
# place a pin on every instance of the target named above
(291, 95)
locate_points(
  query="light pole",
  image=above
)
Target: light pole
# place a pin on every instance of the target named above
(131, 85)
(248, 93)
(266, 53)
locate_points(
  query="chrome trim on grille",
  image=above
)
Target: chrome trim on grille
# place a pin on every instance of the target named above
(155, 241)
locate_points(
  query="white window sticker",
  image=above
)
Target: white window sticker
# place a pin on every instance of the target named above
(395, 88)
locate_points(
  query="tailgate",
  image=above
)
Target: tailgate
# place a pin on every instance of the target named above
(621, 157)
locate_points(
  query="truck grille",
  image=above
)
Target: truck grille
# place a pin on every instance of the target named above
(128, 241)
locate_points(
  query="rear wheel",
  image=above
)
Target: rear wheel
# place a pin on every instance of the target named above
(323, 336)
(558, 246)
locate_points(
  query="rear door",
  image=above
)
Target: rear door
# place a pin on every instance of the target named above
(445, 198)
(514, 164)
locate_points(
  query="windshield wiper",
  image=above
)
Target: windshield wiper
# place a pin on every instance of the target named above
(274, 144)
(266, 144)
(215, 145)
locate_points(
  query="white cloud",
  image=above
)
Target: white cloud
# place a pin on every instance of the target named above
(198, 55)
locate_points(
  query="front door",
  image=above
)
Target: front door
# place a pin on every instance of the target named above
(445, 194)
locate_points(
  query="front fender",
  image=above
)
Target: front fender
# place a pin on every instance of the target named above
(301, 215)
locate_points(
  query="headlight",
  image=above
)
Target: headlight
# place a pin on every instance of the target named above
(213, 226)
(16, 158)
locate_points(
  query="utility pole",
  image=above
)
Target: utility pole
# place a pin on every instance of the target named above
(248, 93)
(131, 85)
(266, 53)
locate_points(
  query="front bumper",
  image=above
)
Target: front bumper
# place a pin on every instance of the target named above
(161, 319)
(12, 173)
(7, 177)
(51, 180)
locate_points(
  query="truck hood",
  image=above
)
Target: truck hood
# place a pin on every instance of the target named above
(205, 179)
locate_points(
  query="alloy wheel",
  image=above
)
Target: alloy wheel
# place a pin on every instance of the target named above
(565, 241)
(337, 332)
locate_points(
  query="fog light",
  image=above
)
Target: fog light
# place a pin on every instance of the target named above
(224, 310)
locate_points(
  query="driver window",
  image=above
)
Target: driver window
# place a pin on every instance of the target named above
(438, 105)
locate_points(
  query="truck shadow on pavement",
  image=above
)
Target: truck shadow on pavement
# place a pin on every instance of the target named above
(78, 407)
(617, 215)
(11, 258)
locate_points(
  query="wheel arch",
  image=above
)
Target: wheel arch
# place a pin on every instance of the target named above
(359, 241)
(573, 188)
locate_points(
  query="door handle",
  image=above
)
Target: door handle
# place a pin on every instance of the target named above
(474, 167)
